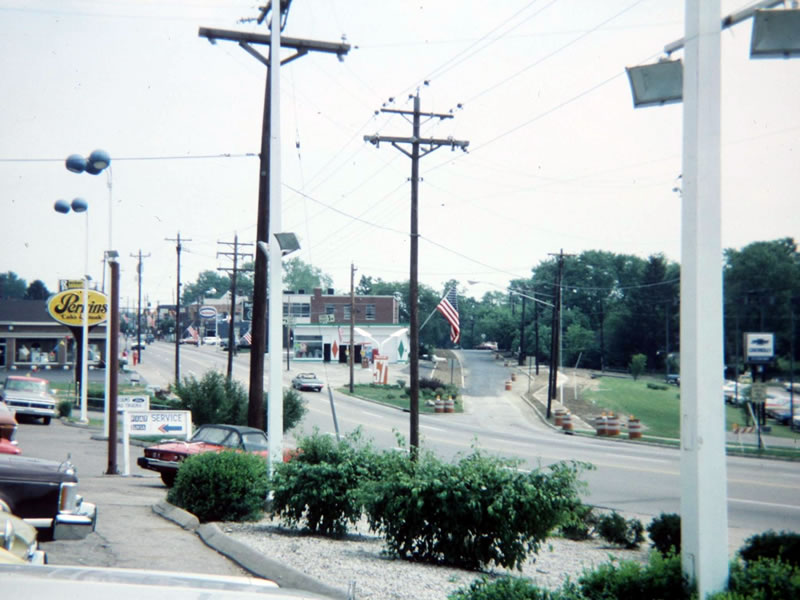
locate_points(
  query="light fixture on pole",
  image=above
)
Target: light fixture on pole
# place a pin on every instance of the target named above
(79, 205)
(656, 84)
(97, 162)
(776, 33)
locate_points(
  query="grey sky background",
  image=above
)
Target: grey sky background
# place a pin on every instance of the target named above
(558, 157)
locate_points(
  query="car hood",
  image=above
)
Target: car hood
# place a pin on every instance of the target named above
(27, 396)
(35, 469)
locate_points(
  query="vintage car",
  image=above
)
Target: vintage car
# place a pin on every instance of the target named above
(307, 381)
(30, 397)
(7, 447)
(18, 541)
(166, 458)
(45, 494)
(8, 424)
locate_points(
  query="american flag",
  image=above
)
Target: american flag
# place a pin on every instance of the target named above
(247, 337)
(193, 333)
(449, 309)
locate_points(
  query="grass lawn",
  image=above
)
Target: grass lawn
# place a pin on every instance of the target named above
(659, 409)
(393, 396)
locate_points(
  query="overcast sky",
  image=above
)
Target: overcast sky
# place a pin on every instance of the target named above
(558, 157)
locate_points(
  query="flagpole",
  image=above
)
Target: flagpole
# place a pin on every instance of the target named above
(435, 308)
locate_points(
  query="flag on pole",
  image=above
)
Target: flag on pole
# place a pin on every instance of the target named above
(448, 306)
(247, 337)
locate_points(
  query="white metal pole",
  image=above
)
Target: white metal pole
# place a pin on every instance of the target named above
(275, 397)
(107, 393)
(85, 336)
(704, 520)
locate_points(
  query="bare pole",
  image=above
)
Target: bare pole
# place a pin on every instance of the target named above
(233, 274)
(139, 305)
(178, 331)
(416, 153)
(352, 322)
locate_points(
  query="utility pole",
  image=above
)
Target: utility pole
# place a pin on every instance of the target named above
(233, 272)
(555, 337)
(352, 321)
(267, 204)
(139, 305)
(178, 331)
(415, 154)
(521, 361)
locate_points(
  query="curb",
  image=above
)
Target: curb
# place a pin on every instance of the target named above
(244, 556)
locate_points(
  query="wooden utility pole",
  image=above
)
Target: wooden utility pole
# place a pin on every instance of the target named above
(256, 416)
(555, 337)
(178, 331)
(352, 350)
(233, 272)
(138, 350)
(416, 153)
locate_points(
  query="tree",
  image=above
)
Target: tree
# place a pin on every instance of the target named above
(637, 365)
(206, 281)
(37, 291)
(299, 275)
(11, 286)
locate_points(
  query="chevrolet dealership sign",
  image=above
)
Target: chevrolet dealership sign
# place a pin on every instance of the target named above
(759, 347)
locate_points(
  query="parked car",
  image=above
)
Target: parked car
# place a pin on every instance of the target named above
(8, 423)
(166, 458)
(18, 539)
(139, 346)
(7, 447)
(673, 378)
(45, 494)
(734, 393)
(190, 340)
(211, 340)
(29, 396)
(149, 338)
(307, 381)
(487, 346)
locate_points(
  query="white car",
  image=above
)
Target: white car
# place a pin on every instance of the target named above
(211, 340)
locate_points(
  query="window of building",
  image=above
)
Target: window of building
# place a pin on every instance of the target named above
(346, 308)
(308, 346)
(330, 309)
(369, 312)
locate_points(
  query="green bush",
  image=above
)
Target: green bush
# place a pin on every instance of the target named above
(662, 578)
(470, 514)
(784, 546)
(637, 365)
(512, 588)
(430, 383)
(579, 523)
(214, 399)
(657, 386)
(763, 579)
(320, 484)
(64, 408)
(616, 530)
(665, 533)
(224, 486)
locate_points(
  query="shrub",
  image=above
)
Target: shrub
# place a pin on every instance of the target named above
(214, 399)
(661, 578)
(637, 365)
(665, 533)
(430, 383)
(616, 530)
(224, 486)
(511, 588)
(470, 514)
(764, 579)
(64, 408)
(784, 546)
(657, 386)
(320, 484)
(579, 522)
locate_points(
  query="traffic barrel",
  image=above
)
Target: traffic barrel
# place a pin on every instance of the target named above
(600, 425)
(558, 416)
(612, 425)
(566, 422)
(439, 405)
(450, 405)
(634, 428)
(508, 386)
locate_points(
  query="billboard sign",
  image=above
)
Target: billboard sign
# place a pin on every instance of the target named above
(67, 307)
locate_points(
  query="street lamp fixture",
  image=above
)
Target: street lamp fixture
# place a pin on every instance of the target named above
(776, 34)
(656, 84)
(287, 242)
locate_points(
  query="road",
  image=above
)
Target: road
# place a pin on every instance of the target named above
(630, 477)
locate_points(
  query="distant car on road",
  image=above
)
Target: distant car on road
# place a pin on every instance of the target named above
(190, 340)
(211, 340)
(307, 381)
(29, 396)
(138, 346)
(673, 378)
(487, 346)
(150, 338)
(166, 458)
(45, 494)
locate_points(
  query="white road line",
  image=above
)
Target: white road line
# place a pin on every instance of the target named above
(760, 503)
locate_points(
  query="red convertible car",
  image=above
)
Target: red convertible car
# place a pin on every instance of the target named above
(165, 458)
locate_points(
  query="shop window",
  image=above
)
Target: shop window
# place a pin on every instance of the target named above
(369, 312)
(308, 346)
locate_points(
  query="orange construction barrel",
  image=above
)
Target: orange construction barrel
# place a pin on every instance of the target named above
(558, 416)
(449, 405)
(508, 386)
(566, 422)
(612, 425)
(600, 425)
(634, 428)
(439, 405)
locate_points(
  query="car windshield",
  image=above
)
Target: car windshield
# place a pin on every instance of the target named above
(23, 385)
(217, 435)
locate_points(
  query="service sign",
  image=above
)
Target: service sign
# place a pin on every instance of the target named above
(177, 423)
(759, 347)
(67, 307)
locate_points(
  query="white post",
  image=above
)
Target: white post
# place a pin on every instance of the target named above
(107, 394)
(275, 389)
(85, 336)
(126, 443)
(704, 521)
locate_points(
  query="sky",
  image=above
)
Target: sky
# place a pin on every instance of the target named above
(558, 158)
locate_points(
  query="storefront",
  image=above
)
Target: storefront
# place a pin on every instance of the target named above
(331, 342)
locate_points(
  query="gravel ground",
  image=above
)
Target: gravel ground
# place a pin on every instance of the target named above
(359, 560)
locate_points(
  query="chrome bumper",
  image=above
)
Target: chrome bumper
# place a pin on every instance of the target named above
(75, 526)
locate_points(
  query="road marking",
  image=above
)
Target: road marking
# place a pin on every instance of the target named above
(432, 427)
(760, 503)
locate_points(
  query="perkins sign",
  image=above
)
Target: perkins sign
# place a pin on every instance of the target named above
(67, 307)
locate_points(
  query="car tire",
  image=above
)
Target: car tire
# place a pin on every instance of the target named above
(46, 420)
(168, 478)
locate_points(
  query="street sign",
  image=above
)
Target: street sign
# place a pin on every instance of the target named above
(177, 423)
(141, 402)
